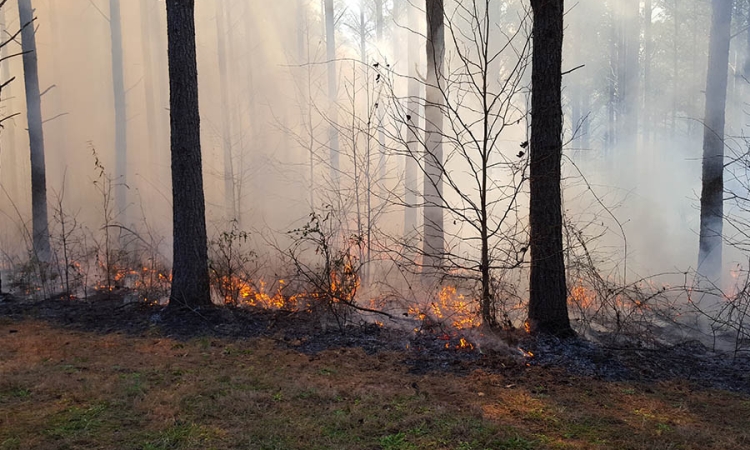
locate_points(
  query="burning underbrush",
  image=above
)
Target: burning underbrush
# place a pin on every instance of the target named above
(427, 345)
(635, 331)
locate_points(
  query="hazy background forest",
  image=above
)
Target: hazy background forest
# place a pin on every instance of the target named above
(633, 99)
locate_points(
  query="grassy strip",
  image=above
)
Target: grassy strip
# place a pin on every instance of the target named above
(68, 390)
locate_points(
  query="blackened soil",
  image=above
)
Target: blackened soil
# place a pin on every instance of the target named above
(424, 350)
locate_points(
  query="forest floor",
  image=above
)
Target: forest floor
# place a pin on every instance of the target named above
(104, 375)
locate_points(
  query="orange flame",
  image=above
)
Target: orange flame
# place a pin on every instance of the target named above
(461, 311)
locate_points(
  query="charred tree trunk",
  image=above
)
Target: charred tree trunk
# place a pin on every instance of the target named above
(190, 284)
(413, 124)
(434, 245)
(548, 308)
(121, 124)
(39, 225)
(230, 199)
(333, 134)
(712, 204)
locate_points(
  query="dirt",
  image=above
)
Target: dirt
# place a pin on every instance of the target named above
(425, 349)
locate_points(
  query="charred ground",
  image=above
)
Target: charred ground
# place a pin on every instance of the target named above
(423, 347)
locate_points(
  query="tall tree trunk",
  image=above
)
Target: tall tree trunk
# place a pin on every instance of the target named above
(234, 113)
(413, 123)
(484, 24)
(379, 178)
(333, 134)
(57, 128)
(675, 68)
(148, 8)
(611, 138)
(362, 32)
(306, 107)
(190, 284)
(230, 200)
(121, 130)
(648, 49)
(712, 205)
(8, 151)
(630, 73)
(161, 74)
(548, 308)
(379, 21)
(574, 88)
(434, 245)
(693, 99)
(39, 224)
(251, 41)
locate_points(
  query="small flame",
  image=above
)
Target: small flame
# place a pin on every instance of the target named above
(462, 312)
(463, 343)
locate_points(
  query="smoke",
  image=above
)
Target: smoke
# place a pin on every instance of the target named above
(640, 189)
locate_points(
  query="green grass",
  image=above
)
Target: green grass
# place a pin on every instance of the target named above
(115, 392)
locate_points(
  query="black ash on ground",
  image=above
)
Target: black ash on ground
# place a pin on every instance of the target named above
(424, 349)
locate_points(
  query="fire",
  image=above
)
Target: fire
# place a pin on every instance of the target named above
(461, 311)
(151, 283)
(582, 296)
(340, 286)
(344, 283)
(257, 294)
(463, 344)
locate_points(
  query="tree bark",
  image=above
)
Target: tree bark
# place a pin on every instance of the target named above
(190, 283)
(333, 134)
(147, 8)
(675, 68)
(230, 200)
(39, 225)
(712, 204)
(121, 124)
(8, 150)
(548, 309)
(630, 72)
(434, 246)
(648, 46)
(611, 134)
(413, 123)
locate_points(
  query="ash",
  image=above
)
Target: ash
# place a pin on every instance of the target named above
(690, 361)
(423, 349)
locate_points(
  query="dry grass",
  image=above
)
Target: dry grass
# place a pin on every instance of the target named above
(69, 390)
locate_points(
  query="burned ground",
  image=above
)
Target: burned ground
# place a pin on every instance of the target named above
(423, 349)
(101, 374)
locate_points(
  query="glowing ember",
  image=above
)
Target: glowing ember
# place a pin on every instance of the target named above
(525, 353)
(463, 344)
